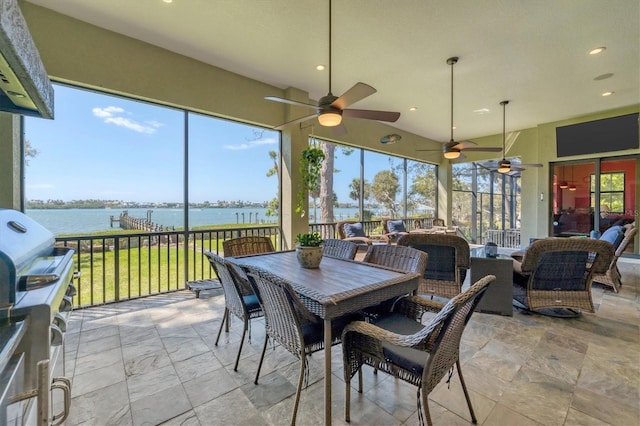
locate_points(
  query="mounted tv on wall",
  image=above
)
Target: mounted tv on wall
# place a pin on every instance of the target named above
(609, 134)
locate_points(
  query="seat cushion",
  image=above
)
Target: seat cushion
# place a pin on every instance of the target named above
(353, 230)
(251, 302)
(313, 332)
(396, 226)
(442, 261)
(614, 235)
(408, 359)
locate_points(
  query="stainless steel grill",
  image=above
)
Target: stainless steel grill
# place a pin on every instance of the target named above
(36, 289)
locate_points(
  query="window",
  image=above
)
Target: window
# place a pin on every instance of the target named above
(611, 192)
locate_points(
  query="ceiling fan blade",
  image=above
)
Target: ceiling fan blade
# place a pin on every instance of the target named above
(464, 144)
(529, 165)
(370, 114)
(430, 150)
(297, 120)
(289, 101)
(482, 149)
(358, 92)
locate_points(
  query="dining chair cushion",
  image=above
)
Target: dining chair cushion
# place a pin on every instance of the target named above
(566, 267)
(442, 261)
(396, 226)
(251, 302)
(313, 332)
(352, 230)
(410, 359)
(614, 235)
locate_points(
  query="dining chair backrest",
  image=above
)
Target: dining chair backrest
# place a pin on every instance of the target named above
(449, 259)
(232, 293)
(247, 245)
(339, 249)
(405, 259)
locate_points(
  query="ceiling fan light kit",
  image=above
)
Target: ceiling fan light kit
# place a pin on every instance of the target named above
(330, 118)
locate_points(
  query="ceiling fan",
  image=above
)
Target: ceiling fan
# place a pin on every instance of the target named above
(452, 149)
(330, 109)
(505, 166)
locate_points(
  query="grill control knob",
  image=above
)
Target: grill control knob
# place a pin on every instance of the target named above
(57, 337)
(60, 322)
(71, 290)
(67, 304)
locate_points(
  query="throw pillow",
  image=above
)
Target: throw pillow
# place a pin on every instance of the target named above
(353, 230)
(396, 226)
(614, 235)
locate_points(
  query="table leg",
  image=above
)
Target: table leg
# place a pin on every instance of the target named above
(327, 371)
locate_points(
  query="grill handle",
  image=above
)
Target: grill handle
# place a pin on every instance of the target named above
(64, 384)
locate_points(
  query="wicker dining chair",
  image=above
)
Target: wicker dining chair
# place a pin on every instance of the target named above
(339, 249)
(239, 299)
(449, 260)
(404, 259)
(612, 276)
(247, 245)
(291, 324)
(559, 274)
(402, 346)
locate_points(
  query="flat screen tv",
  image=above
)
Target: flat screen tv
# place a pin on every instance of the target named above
(610, 134)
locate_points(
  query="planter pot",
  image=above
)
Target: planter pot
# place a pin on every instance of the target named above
(309, 257)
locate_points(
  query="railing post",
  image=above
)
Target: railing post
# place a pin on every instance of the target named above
(116, 265)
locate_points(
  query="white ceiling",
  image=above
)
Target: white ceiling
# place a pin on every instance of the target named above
(531, 52)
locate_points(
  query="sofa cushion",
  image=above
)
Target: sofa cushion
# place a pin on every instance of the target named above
(396, 226)
(353, 230)
(614, 235)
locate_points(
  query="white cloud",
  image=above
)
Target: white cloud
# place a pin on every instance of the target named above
(251, 144)
(113, 115)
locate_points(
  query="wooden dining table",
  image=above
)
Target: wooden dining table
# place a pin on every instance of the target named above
(336, 288)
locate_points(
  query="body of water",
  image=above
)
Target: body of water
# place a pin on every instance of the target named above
(87, 221)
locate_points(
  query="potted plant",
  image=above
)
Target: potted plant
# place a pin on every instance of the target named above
(310, 164)
(309, 249)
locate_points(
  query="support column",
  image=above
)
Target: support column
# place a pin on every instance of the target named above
(10, 162)
(294, 140)
(445, 201)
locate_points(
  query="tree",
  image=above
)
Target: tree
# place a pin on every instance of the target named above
(354, 190)
(326, 182)
(385, 188)
(29, 152)
(273, 209)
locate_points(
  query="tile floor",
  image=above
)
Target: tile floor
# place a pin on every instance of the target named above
(152, 361)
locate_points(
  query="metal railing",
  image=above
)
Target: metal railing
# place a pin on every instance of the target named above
(114, 268)
(119, 267)
(508, 238)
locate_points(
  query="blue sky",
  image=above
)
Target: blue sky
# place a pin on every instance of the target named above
(111, 148)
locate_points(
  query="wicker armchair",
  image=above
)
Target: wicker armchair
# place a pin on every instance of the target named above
(290, 323)
(357, 233)
(239, 299)
(339, 249)
(393, 229)
(402, 346)
(244, 246)
(559, 273)
(448, 262)
(612, 276)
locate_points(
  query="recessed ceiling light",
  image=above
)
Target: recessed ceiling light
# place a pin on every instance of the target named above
(607, 94)
(413, 108)
(597, 50)
(481, 111)
(320, 67)
(168, 1)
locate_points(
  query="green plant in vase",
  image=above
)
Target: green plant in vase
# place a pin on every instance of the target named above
(310, 163)
(309, 250)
